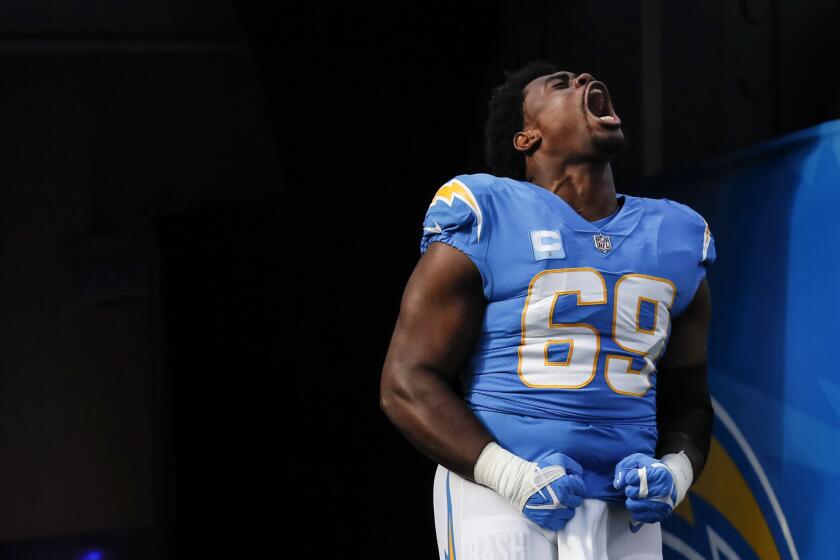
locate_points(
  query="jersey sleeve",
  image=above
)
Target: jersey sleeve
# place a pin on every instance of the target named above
(457, 217)
(708, 253)
(700, 241)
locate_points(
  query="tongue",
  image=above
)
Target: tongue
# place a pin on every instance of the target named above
(597, 103)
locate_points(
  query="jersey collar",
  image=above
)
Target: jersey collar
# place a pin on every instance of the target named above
(621, 224)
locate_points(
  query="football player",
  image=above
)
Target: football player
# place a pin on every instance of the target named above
(553, 298)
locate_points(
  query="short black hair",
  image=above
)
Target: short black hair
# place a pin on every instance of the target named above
(505, 118)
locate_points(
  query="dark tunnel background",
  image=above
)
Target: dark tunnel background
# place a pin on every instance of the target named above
(209, 212)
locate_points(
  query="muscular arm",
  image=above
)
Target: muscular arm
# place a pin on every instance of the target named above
(683, 406)
(439, 321)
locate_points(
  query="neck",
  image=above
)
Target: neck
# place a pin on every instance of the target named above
(585, 186)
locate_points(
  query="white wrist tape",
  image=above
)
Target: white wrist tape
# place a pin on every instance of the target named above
(681, 471)
(511, 476)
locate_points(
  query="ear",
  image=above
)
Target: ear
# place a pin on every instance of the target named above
(527, 142)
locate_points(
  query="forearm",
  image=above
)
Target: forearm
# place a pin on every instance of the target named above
(435, 420)
(685, 417)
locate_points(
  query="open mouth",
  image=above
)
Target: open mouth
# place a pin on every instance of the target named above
(598, 104)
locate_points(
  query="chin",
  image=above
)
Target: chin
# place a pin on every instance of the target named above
(609, 145)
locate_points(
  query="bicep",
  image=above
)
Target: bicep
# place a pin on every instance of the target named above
(682, 374)
(687, 345)
(440, 315)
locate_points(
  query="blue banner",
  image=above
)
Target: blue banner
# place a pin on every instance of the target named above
(771, 488)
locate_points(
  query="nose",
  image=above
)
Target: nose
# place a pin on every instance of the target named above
(584, 79)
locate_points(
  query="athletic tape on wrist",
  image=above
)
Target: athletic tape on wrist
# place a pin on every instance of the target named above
(512, 477)
(681, 471)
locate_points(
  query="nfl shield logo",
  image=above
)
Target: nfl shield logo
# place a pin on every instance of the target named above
(602, 242)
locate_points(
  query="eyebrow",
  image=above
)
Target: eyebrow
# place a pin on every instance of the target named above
(557, 76)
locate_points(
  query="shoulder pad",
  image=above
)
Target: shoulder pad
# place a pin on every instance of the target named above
(696, 228)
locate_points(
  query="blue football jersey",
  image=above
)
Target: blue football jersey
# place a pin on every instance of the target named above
(577, 315)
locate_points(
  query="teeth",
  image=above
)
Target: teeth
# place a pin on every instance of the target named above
(607, 118)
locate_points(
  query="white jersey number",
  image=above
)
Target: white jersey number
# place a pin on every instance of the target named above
(565, 355)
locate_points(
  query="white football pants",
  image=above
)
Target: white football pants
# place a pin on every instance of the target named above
(473, 522)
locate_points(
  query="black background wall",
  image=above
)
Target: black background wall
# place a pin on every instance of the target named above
(138, 175)
(208, 214)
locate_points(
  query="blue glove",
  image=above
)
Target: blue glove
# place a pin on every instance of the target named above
(649, 486)
(556, 498)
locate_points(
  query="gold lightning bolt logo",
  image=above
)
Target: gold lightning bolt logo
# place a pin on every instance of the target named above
(456, 189)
